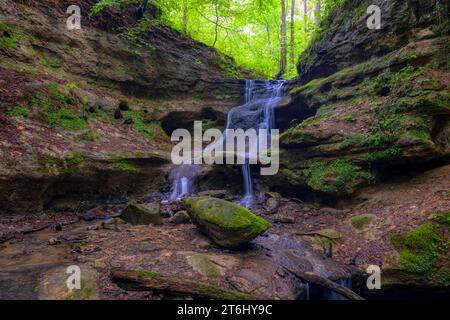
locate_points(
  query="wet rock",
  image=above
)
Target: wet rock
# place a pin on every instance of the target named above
(96, 213)
(113, 224)
(118, 114)
(138, 214)
(53, 241)
(53, 285)
(214, 193)
(123, 106)
(272, 202)
(181, 217)
(227, 224)
(283, 219)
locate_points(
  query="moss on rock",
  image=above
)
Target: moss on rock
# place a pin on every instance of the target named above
(361, 222)
(228, 224)
(423, 251)
(338, 177)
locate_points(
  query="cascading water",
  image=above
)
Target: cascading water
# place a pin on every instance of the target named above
(182, 179)
(261, 97)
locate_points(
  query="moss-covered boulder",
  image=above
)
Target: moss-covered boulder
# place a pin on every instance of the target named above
(423, 255)
(138, 214)
(228, 224)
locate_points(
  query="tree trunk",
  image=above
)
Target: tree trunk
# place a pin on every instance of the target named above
(323, 282)
(317, 10)
(283, 49)
(185, 16)
(305, 17)
(216, 30)
(293, 32)
(143, 280)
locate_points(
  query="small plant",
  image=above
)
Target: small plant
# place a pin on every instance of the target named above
(90, 136)
(19, 111)
(72, 86)
(10, 38)
(75, 158)
(52, 63)
(58, 95)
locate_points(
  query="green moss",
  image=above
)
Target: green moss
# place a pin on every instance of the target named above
(64, 118)
(58, 95)
(227, 215)
(51, 165)
(362, 221)
(418, 249)
(66, 48)
(388, 153)
(19, 111)
(141, 124)
(203, 264)
(335, 177)
(75, 158)
(52, 63)
(125, 166)
(10, 38)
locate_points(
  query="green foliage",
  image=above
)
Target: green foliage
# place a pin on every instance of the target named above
(19, 111)
(58, 95)
(102, 4)
(247, 31)
(10, 38)
(72, 86)
(125, 166)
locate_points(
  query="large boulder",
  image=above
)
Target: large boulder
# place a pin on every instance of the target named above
(138, 214)
(227, 224)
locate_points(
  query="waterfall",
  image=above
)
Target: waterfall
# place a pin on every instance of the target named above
(258, 113)
(182, 179)
(261, 97)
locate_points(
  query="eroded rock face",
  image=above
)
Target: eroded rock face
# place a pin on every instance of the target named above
(380, 108)
(227, 223)
(81, 112)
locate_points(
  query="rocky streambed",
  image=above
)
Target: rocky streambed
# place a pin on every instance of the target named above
(36, 251)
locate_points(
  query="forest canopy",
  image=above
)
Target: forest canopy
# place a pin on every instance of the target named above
(265, 36)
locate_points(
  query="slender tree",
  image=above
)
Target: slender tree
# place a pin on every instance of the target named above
(317, 11)
(184, 9)
(293, 31)
(305, 16)
(283, 49)
(216, 29)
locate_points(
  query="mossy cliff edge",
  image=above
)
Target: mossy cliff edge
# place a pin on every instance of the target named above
(376, 109)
